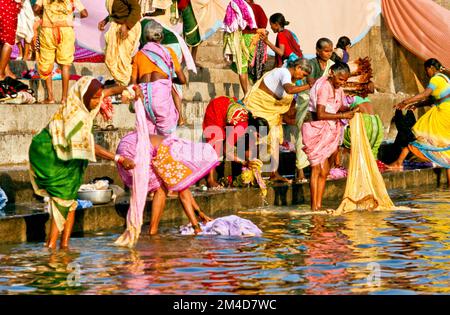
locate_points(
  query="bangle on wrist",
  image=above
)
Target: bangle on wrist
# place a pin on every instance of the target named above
(117, 158)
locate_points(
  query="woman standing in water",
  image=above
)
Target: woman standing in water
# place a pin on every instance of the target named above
(432, 130)
(322, 129)
(60, 153)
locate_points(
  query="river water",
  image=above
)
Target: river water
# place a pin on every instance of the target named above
(389, 252)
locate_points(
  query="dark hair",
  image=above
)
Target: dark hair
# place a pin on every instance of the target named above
(335, 58)
(343, 42)
(433, 63)
(321, 43)
(340, 67)
(279, 18)
(257, 122)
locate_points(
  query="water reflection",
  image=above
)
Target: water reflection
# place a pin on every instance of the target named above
(298, 254)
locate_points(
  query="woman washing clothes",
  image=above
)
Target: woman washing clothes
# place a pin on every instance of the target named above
(156, 68)
(271, 97)
(163, 164)
(431, 131)
(322, 128)
(286, 43)
(60, 153)
(225, 114)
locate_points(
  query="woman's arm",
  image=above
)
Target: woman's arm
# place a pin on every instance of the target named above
(293, 89)
(181, 78)
(37, 9)
(105, 154)
(415, 99)
(114, 90)
(323, 115)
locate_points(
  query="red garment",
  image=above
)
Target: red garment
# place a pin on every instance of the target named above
(183, 4)
(260, 17)
(9, 12)
(215, 123)
(290, 46)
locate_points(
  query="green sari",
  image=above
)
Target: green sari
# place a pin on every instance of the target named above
(190, 27)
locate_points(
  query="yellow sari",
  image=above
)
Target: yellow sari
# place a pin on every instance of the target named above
(119, 52)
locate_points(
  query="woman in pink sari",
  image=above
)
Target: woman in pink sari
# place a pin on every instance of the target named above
(322, 128)
(155, 68)
(163, 164)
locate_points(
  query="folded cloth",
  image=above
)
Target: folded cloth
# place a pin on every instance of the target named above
(3, 199)
(230, 226)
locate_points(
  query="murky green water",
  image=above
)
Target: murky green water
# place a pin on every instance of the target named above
(396, 252)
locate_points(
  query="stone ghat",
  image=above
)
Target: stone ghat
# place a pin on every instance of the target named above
(28, 222)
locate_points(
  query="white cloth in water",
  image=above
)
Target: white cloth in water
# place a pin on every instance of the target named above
(230, 226)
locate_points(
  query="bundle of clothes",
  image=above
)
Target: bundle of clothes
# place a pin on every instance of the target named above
(226, 226)
(15, 92)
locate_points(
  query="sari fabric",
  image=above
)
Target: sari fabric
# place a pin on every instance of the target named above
(8, 21)
(432, 130)
(162, 115)
(119, 52)
(190, 26)
(220, 113)
(321, 138)
(365, 187)
(373, 126)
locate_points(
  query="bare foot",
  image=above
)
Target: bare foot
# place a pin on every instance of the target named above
(181, 122)
(48, 101)
(63, 101)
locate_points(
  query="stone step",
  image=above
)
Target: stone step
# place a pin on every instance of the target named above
(32, 118)
(193, 91)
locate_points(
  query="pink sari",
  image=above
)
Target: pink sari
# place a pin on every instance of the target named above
(321, 138)
(162, 115)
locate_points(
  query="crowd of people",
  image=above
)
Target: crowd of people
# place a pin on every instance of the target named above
(317, 96)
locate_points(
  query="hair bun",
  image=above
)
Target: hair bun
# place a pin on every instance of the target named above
(286, 23)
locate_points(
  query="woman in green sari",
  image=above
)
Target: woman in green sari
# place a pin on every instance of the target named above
(60, 153)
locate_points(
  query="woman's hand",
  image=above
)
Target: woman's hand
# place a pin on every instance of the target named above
(123, 31)
(350, 114)
(128, 164)
(139, 94)
(102, 25)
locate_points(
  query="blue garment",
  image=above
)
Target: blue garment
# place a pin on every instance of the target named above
(84, 204)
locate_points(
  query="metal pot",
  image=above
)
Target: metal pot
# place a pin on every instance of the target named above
(96, 196)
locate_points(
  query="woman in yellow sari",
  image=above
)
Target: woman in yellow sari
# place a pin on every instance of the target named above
(122, 38)
(432, 130)
(60, 153)
(271, 97)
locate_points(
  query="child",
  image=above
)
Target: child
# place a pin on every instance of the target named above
(287, 42)
(322, 129)
(341, 50)
(57, 41)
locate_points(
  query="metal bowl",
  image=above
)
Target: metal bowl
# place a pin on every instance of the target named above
(97, 197)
